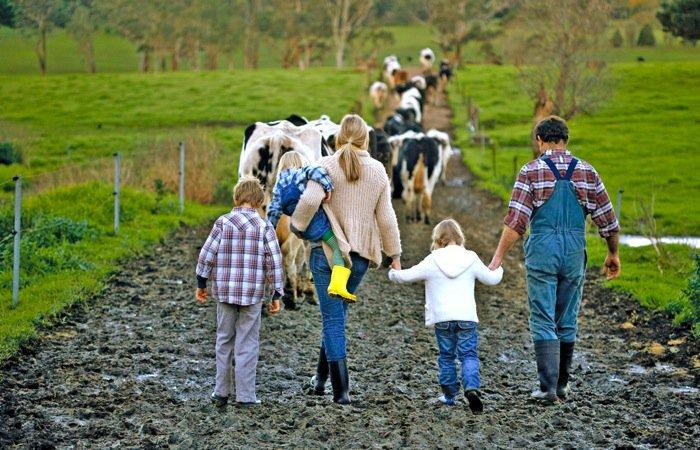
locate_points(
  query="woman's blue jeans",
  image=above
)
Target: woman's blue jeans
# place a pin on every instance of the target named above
(334, 311)
(457, 339)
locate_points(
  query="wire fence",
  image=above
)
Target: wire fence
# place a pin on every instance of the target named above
(42, 181)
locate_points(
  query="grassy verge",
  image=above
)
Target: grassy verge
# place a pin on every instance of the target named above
(639, 142)
(82, 253)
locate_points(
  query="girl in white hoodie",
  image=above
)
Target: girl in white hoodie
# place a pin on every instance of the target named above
(449, 272)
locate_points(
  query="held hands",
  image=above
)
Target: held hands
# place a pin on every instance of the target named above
(611, 266)
(496, 262)
(273, 307)
(201, 295)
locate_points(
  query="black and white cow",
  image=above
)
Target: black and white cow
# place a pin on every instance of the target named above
(412, 100)
(416, 173)
(378, 92)
(443, 141)
(391, 65)
(400, 122)
(427, 59)
(265, 143)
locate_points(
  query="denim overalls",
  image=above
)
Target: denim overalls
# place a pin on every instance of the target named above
(555, 260)
(319, 224)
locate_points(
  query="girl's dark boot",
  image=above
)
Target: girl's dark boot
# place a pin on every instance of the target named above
(547, 354)
(318, 381)
(340, 381)
(566, 354)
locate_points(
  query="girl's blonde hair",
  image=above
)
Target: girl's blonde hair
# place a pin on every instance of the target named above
(291, 159)
(352, 136)
(446, 232)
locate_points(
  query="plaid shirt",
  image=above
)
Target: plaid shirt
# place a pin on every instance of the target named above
(241, 254)
(298, 177)
(535, 185)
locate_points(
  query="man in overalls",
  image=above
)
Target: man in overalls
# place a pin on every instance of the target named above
(553, 194)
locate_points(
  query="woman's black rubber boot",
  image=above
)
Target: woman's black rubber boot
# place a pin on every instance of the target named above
(318, 381)
(340, 381)
(566, 354)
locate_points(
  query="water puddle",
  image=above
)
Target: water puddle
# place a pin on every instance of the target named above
(682, 390)
(146, 376)
(616, 379)
(637, 370)
(632, 240)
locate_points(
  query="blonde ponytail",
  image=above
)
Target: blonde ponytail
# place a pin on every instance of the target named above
(352, 136)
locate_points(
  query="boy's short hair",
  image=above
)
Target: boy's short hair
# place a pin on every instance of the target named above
(445, 232)
(552, 129)
(248, 190)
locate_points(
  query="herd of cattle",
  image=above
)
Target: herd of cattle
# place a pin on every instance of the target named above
(414, 158)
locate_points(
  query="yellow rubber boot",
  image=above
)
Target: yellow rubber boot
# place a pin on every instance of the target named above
(339, 283)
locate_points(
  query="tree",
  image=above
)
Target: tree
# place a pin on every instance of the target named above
(455, 23)
(646, 37)
(302, 29)
(346, 16)
(36, 15)
(617, 39)
(136, 21)
(7, 13)
(251, 34)
(556, 43)
(82, 26)
(681, 18)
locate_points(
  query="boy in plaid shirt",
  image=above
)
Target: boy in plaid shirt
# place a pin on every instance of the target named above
(242, 257)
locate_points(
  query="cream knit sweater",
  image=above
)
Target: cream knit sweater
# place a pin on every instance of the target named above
(361, 214)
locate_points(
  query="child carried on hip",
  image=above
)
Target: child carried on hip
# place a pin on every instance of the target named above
(293, 174)
(449, 273)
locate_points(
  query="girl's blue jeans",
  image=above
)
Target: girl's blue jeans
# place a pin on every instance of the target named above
(334, 311)
(457, 339)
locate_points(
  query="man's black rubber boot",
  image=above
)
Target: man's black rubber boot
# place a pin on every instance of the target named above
(547, 354)
(566, 354)
(318, 381)
(474, 398)
(340, 381)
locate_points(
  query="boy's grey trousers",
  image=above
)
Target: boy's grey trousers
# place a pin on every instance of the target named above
(237, 334)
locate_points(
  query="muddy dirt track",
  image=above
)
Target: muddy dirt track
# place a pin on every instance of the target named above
(134, 368)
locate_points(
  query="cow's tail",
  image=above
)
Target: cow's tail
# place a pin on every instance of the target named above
(419, 177)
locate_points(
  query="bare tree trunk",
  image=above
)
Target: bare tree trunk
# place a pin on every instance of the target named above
(41, 47)
(195, 56)
(90, 56)
(339, 53)
(212, 58)
(175, 58)
(145, 61)
(251, 40)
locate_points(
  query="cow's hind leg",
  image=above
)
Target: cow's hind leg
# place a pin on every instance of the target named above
(426, 206)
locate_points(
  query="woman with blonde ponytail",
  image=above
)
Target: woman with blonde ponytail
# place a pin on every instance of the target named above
(364, 224)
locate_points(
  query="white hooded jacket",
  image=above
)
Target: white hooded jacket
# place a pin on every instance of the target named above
(449, 274)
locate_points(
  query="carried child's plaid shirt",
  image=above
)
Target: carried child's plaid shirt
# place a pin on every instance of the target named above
(240, 255)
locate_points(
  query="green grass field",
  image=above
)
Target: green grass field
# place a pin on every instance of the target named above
(116, 54)
(62, 121)
(642, 141)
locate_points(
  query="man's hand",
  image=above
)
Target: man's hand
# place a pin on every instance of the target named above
(611, 267)
(201, 295)
(496, 262)
(327, 197)
(273, 307)
(396, 263)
